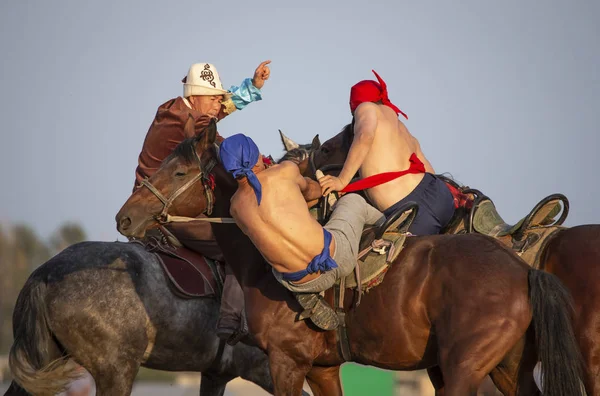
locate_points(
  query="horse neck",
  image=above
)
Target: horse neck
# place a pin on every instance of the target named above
(241, 255)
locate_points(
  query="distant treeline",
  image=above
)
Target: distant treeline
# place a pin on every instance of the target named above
(22, 251)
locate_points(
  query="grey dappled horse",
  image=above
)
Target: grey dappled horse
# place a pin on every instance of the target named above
(109, 307)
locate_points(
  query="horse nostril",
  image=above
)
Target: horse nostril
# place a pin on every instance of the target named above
(124, 223)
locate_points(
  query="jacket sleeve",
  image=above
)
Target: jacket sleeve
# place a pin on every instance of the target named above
(242, 96)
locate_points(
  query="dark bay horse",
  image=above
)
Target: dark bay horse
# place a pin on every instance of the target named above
(572, 254)
(109, 307)
(463, 305)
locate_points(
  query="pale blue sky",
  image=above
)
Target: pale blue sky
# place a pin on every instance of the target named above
(504, 95)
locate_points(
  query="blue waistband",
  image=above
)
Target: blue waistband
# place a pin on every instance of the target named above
(321, 262)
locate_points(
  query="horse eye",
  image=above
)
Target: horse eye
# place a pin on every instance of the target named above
(180, 174)
(325, 150)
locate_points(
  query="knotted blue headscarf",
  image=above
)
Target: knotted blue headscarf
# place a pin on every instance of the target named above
(238, 155)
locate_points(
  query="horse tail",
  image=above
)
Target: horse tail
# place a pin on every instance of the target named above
(35, 360)
(556, 345)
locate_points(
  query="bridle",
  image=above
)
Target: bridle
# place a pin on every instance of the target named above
(208, 183)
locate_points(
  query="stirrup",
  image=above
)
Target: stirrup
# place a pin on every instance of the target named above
(241, 332)
(395, 230)
(400, 220)
(317, 310)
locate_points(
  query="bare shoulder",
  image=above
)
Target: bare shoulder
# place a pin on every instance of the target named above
(366, 108)
(367, 113)
(289, 169)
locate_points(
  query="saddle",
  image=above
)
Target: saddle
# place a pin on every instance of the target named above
(375, 249)
(379, 246)
(192, 275)
(527, 237)
(372, 259)
(487, 220)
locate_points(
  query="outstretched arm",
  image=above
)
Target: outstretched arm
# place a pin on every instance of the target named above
(365, 125)
(247, 92)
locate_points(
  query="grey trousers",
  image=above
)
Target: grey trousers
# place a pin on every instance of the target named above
(350, 215)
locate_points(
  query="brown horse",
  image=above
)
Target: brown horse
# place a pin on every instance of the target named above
(463, 305)
(572, 254)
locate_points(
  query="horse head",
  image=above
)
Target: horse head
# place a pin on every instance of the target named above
(298, 153)
(290, 145)
(184, 185)
(310, 157)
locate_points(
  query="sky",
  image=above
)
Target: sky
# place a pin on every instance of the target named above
(502, 95)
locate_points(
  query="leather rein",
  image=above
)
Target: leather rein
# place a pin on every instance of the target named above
(208, 184)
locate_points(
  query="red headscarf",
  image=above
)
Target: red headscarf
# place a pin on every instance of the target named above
(372, 91)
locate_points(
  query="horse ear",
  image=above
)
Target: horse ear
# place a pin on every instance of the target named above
(316, 143)
(189, 129)
(288, 144)
(210, 134)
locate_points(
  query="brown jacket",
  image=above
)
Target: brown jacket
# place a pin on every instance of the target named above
(165, 133)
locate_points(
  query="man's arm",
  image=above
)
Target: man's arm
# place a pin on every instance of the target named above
(310, 189)
(365, 125)
(247, 92)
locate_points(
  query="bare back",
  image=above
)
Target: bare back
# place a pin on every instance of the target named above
(390, 152)
(281, 227)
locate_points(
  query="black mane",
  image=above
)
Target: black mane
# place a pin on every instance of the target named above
(296, 155)
(186, 150)
(347, 136)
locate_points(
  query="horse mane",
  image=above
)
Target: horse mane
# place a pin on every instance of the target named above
(447, 177)
(296, 155)
(347, 136)
(186, 150)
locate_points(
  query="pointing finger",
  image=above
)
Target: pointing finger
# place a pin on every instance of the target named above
(263, 65)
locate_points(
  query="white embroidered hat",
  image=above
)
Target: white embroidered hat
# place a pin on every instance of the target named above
(203, 79)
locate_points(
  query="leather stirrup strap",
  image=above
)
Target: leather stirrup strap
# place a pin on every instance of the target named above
(342, 333)
(359, 283)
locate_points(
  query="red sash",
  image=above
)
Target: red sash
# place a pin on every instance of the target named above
(416, 166)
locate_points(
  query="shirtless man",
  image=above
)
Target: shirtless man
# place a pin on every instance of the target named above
(381, 148)
(270, 207)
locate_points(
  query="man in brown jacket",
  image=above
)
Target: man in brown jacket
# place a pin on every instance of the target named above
(203, 99)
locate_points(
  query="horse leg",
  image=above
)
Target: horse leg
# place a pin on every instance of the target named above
(591, 375)
(249, 363)
(465, 360)
(213, 384)
(115, 378)
(288, 375)
(437, 380)
(325, 381)
(589, 345)
(83, 386)
(515, 371)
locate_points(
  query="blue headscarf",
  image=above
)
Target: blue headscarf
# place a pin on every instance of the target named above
(238, 155)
